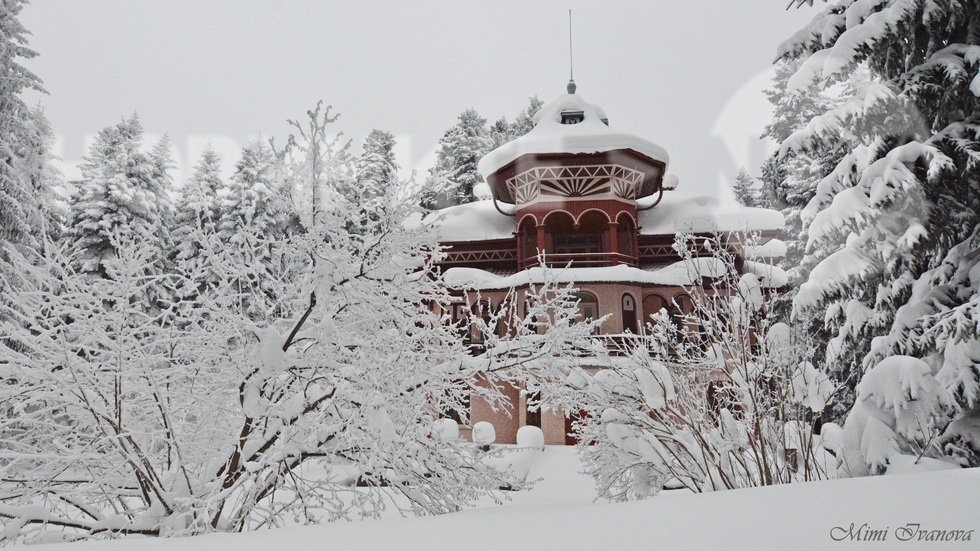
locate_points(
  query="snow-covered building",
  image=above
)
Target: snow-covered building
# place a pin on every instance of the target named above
(594, 202)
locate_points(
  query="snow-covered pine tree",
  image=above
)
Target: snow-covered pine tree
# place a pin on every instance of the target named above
(789, 182)
(499, 133)
(47, 180)
(254, 216)
(524, 121)
(123, 194)
(252, 199)
(899, 213)
(452, 179)
(789, 179)
(162, 159)
(376, 167)
(502, 131)
(162, 162)
(196, 223)
(745, 189)
(25, 140)
(198, 211)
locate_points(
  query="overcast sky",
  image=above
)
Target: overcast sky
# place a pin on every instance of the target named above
(684, 74)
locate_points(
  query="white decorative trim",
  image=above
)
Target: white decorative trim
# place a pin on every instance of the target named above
(576, 183)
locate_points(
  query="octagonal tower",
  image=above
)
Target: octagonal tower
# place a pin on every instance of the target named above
(573, 183)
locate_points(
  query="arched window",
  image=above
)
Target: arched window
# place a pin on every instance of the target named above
(532, 409)
(653, 304)
(558, 226)
(588, 306)
(575, 243)
(629, 314)
(529, 241)
(626, 236)
(679, 310)
(484, 311)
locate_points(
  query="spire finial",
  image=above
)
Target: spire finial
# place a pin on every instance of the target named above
(571, 64)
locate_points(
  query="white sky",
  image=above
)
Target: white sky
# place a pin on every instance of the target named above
(680, 73)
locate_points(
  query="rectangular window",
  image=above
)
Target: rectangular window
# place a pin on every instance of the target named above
(533, 417)
(578, 244)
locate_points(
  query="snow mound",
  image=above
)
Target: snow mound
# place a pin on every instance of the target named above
(484, 433)
(530, 437)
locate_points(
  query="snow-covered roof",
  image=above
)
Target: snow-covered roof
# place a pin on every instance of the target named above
(774, 248)
(677, 274)
(480, 221)
(703, 215)
(549, 135)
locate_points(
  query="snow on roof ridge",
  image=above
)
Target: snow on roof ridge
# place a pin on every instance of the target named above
(703, 214)
(549, 135)
(477, 221)
(682, 273)
(480, 220)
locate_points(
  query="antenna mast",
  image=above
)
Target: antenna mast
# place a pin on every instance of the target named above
(571, 61)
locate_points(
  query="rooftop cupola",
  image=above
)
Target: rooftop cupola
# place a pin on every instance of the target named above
(573, 182)
(571, 138)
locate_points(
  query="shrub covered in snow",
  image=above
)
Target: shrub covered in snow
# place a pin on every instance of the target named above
(228, 413)
(722, 400)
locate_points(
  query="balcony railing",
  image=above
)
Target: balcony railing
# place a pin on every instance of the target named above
(619, 345)
(579, 260)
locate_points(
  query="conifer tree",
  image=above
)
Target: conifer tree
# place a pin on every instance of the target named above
(789, 182)
(25, 139)
(254, 217)
(252, 199)
(122, 195)
(198, 212)
(745, 190)
(524, 121)
(894, 224)
(452, 180)
(376, 168)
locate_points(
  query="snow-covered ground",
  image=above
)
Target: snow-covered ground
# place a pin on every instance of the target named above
(559, 514)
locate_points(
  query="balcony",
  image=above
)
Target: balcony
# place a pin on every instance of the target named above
(579, 260)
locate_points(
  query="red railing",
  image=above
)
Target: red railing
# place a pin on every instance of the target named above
(580, 260)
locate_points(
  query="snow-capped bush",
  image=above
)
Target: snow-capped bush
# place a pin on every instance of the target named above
(246, 403)
(898, 403)
(722, 400)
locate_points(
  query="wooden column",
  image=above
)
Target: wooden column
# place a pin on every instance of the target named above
(541, 239)
(614, 241)
(520, 249)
